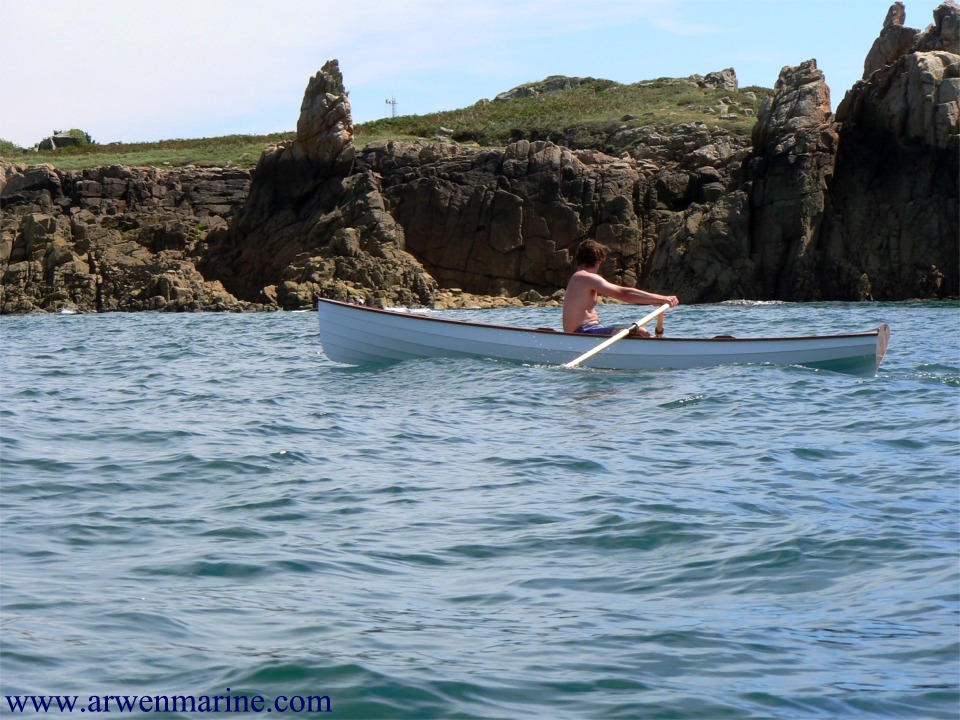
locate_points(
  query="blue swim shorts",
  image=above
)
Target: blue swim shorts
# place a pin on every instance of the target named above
(594, 329)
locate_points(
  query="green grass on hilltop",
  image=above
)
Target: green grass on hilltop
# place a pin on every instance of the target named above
(230, 150)
(600, 105)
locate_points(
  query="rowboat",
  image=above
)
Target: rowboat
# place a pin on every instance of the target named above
(360, 335)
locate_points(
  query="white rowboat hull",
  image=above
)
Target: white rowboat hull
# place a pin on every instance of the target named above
(359, 335)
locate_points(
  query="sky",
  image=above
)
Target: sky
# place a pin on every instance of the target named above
(143, 71)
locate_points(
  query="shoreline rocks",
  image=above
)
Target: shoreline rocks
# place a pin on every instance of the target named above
(858, 206)
(115, 238)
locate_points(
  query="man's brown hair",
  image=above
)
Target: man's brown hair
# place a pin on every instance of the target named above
(590, 253)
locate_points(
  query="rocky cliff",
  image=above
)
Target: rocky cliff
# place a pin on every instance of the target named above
(891, 225)
(859, 205)
(315, 224)
(863, 205)
(113, 239)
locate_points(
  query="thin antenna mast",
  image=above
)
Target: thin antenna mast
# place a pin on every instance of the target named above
(392, 102)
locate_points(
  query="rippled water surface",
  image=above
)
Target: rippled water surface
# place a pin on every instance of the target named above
(190, 503)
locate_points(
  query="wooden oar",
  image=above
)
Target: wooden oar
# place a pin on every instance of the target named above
(618, 336)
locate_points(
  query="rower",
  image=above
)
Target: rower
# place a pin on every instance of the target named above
(586, 286)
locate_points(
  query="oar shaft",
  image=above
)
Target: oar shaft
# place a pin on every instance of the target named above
(618, 336)
(599, 348)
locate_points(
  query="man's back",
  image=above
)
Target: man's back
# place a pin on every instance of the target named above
(580, 300)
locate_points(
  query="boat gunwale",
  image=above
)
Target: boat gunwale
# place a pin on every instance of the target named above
(550, 331)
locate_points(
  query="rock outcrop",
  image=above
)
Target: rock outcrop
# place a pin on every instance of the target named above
(113, 239)
(504, 221)
(550, 84)
(312, 226)
(893, 220)
(895, 40)
(410, 218)
(794, 147)
(861, 205)
(790, 215)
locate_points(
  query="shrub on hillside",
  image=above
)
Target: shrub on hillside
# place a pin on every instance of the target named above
(9, 148)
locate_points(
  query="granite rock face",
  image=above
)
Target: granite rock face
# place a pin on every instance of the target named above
(114, 238)
(861, 205)
(402, 221)
(893, 220)
(790, 169)
(503, 221)
(313, 224)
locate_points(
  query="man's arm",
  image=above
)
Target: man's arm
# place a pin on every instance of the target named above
(632, 295)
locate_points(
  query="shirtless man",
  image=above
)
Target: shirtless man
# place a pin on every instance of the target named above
(586, 285)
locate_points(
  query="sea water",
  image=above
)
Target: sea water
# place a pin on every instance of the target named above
(204, 506)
